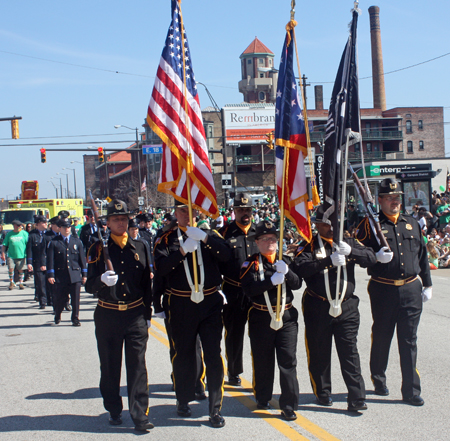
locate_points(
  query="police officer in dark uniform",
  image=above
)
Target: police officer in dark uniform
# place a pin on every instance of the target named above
(260, 277)
(145, 223)
(89, 232)
(66, 270)
(317, 263)
(236, 310)
(122, 315)
(192, 312)
(37, 258)
(396, 292)
(50, 234)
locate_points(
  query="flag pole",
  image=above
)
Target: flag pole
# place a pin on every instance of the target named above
(189, 166)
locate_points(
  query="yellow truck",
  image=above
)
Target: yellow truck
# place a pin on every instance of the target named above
(25, 210)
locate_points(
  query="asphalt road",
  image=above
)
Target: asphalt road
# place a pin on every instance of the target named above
(49, 383)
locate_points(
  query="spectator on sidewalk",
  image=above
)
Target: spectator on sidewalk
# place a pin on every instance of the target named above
(15, 243)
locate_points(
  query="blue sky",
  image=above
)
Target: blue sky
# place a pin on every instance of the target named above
(60, 98)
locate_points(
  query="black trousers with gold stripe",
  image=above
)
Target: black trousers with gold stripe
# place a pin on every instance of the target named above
(401, 307)
(266, 343)
(187, 321)
(113, 329)
(234, 315)
(320, 327)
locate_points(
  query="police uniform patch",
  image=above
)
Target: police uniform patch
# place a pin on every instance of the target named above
(75, 246)
(409, 227)
(118, 206)
(136, 256)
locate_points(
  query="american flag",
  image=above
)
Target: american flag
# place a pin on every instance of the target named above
(290, 139)
(343, 119)
(174, 115)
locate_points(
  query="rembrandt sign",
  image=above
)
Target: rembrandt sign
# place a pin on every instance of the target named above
(246, 125)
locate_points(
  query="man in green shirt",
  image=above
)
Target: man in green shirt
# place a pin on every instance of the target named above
(443, 213)
(16, 244)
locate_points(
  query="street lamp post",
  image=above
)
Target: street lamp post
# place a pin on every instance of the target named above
(67, 182)
(56, 188)
(74, 179)
(138, 153)
(60, 186)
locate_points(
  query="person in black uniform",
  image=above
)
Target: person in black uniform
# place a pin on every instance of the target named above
(122, 315)
(50, 234)
(37, 258)
(64, 214)
(66, 270)
(236, 310)
(145, 232)
(89, 232)
(260, 276)
(318, 264)
(189, 314)
(396, 292)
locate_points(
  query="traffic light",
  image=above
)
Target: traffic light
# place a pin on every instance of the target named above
(43, 156)
(15, 128)
(101, 155)
(269, 140)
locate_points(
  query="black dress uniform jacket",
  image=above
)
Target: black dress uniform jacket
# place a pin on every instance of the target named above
(37, 249)
(132, 266)
(236, 310)
(395, 298)
(66, 263)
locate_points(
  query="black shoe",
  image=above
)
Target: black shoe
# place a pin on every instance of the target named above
(383, 391)
(57, 320)
(200, 396)
(216, 419)
(68, 307)
(324, 401)
(288, 415)
(264, 405)
(42, 307)
(76, 323)
(143, 427)
(416, 400)
(234, 380)
(183, 410)
(115, 420)
(354, 406)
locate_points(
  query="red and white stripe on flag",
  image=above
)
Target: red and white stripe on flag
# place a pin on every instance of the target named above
(295, 193)
(182, 135)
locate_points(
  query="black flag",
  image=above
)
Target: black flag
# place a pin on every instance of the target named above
(343, 119)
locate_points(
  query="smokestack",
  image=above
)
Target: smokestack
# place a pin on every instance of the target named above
(379, 93)
(318, 95)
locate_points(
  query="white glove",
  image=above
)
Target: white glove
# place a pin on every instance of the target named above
(161, 315)
(277, 279)
(426, 294)
(344, 248)
(384, 255)
(338, 259)
(281, 267)
(149, 324)
(195, 233)
(109, 278)
(190, 245)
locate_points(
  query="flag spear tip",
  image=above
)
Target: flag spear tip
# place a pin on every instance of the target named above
(355, 7)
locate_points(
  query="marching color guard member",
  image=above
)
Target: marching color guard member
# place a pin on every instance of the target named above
(260, 277)
(396, 292)
(192, 312)
(318, 264)
(122, 316)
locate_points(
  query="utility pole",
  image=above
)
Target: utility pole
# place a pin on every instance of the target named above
(304, 85)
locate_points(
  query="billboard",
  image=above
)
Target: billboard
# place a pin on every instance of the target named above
(248, 125)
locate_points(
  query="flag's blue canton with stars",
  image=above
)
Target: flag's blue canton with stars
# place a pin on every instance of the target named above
(173, 52)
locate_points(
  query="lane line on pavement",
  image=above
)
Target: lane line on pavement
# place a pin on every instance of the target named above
(245, 399)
